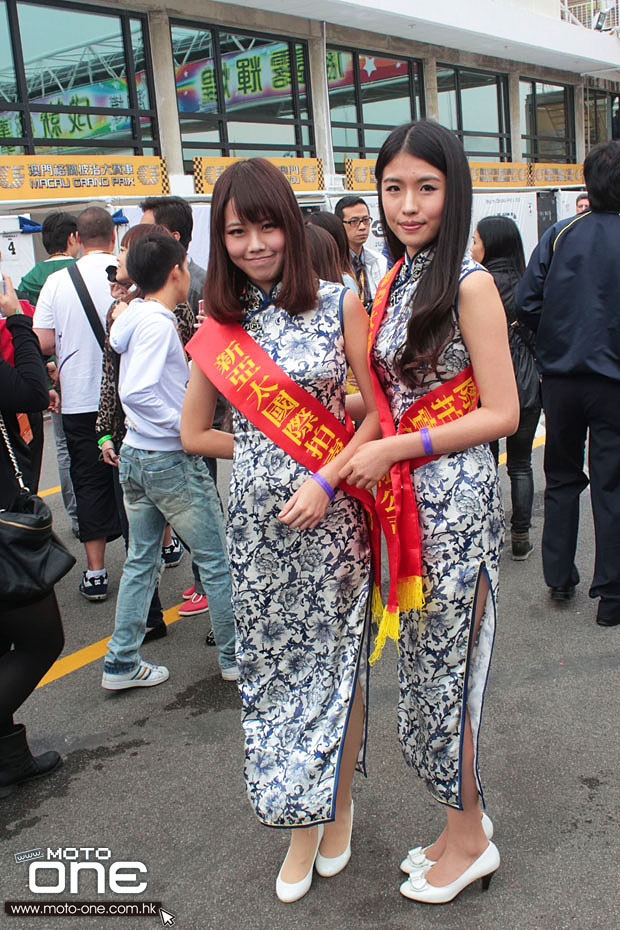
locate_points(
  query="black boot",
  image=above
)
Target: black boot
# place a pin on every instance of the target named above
(17, 764)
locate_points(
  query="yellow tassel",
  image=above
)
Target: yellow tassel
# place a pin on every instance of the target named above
(389, 626)
(411, 593)
(376, 608)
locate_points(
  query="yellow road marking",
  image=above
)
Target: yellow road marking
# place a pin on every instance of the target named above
(91, 653)
(538, 441)
(50, 491)
(88, 654)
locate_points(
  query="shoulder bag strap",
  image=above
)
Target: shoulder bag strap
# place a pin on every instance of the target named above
(87, 303)
(9, 449)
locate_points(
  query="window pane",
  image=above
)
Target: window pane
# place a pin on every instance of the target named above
(8, 87)
(10, 126)
(479, 144)
(346, 138)
(526, 104)
(341, 85)
(261, 133)
(615, 117)
(384, 87)
(90, 74)
(58, 125)
(193, 130)
(446, 97)
(550, 110)
(302, 82)
(139, 63)
(374, 138)
(125, 148)
(479, 104)
(192, 52)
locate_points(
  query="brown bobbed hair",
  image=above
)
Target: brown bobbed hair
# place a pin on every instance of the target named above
(335, 227)
(134, 233)
(323, 253)
(259, 191)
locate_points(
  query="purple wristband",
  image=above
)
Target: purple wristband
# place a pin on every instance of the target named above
(426, 441)
(324, 484)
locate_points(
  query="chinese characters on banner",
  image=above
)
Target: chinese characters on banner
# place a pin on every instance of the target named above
(303, 174)
(35, 177)
(522, 174)
(55, 125)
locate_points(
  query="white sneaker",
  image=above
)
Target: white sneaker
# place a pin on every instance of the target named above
(230, 674)
(145, 676)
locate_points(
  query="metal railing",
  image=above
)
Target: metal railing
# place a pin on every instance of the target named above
(586, 13)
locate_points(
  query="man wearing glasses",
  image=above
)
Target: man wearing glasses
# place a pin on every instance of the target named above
(369, 266)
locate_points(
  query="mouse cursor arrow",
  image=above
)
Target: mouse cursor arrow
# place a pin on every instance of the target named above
(167, 919)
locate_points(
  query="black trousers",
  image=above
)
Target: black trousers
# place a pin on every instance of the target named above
(92, 479)
(573, 407)
(31, 639)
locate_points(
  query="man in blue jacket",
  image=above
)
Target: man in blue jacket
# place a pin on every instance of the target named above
(570, 296)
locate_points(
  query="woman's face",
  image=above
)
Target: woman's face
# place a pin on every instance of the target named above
(413, 194)
(121, 272)
(257, 249)
(477, 248)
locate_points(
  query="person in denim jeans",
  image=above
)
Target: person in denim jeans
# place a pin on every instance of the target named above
(161, 483)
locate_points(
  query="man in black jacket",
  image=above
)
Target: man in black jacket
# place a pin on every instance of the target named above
(570, 296)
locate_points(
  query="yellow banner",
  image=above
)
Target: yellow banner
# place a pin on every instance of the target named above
(36, 177)
(499, 174)
(303, 174)
(360, 174)
(554, 175)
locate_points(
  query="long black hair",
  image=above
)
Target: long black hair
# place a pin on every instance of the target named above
(430, 325)
(501, 238)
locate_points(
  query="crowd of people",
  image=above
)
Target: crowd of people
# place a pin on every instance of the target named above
(319, 366)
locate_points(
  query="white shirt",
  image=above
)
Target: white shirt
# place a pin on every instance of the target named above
(77, 351)
(153, 375)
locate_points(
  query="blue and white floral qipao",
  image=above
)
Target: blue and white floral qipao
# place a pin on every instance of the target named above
(299, 598)
(461, 531)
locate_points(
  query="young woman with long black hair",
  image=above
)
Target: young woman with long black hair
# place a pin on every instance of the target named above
(438, 342)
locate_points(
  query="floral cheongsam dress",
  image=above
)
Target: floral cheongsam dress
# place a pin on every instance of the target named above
(441, 670)
(300, 599)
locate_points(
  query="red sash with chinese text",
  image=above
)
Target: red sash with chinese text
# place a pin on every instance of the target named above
(395, 504)
(286, 413)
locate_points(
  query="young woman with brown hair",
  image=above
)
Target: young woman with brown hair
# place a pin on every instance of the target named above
(298, 546)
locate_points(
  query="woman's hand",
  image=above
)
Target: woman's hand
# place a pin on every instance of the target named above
(306, 508)
(108, 453)
(119, 308)
(9, 304)
(369, 464)
(119, 291)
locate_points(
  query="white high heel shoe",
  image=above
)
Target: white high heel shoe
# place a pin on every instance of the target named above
(293, 891)
(330, 866)
(418, 889)
(416, 861)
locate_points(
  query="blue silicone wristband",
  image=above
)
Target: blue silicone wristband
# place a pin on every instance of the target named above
(426, 441)
(324, 484)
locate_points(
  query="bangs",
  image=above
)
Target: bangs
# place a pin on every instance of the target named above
(257, 193)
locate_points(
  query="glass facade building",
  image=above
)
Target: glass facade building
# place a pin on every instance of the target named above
(75, 79)
(547, 121)
(369, 94)
(241, 93)
(80, 78)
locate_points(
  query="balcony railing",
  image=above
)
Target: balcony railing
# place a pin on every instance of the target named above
(587, 13)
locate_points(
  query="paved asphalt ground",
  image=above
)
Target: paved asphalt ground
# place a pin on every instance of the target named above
(155, 776)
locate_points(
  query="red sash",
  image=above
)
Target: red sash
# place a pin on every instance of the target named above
(395, 503)
(285, 412)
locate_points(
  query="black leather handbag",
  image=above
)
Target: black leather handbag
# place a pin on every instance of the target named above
(32, 558)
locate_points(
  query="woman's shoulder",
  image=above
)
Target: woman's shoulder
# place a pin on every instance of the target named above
(468, 265)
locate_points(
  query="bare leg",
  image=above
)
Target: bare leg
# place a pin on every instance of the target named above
(167, 540)
(336, 834)
(95, 553)
(463, 839)
(300, 855)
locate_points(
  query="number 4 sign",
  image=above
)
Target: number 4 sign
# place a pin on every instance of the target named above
(16, 249)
